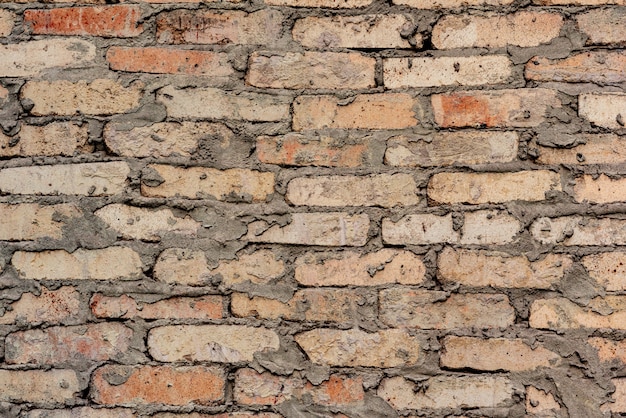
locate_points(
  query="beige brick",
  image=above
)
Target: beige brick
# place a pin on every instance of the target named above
(609, 351)
(579, 2)
(311, 70)
(213, 343)
(599, 190)
(212, 103)
(619, 396)
(365, 111)
(27, 59)
(182, 266)
(82, 412)
(447, 392)
(164, 139)
(69, 345)
(203, 182)
(353, 348)
(576, 230)
(385, 266)
(363, 31)
(483, 269)
(100, 97)
(259, 267)
(489, 227)
(607, 110)
(495, 354)
(51, 306)
(561, 313)
(607, 269)
(90, 179)
(603, 26)
(477, 188)
(540, 403)
(521, 108)
(29, 221)
(403, 307)
(56, 138)
(523, 29)
(330, 4)
(38, 386)
(184, 26)
(446, 71)
(204, 307)
(450, 4)
(466, 147)
(80, 265)
(145, 224)
(420, 229)
(332, 228)
(225, 415)
(7, 21)
(594, 149)
(385, 190)
(599, 67)
(327, 305)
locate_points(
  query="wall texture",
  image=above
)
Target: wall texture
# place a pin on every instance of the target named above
(313, 208)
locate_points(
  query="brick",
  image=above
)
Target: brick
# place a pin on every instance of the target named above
(108, 21)
(540, 403)
(225, 415)
(446, 71)
(182, 266)
(56, 138)
(385, 190)
(419, 229)
(489, 227)
(609, 351)
(30, 221)
(145, 224)
(203, 307)
(168, 61)
(68, 345)
(599, 190)
(327, 305)
(164, 139)
(525, 29)
(259, 267)
(592, 149)
(561, 313)
(477, 188)
(600, 67)
(212, 103)
(452, 148)
(100, 97)
(385, 266)
(401, 307)
(51, 306)
(214, 343)
(603, 26)
(252, 388)
(607, 269)
(202, 183)
(521, 108)
(495, 354)
(492, 269)
(363, 31)
(450, 4)
(576, 230)
(447, 392)
(311, 149)
(607, 110)
(38, 386)
(263, 27)
(142, 385)
(619, 396)
(354, 348)
(312, 70)
(365, 111)
(26, 59)
(332, 229)
(90, 179)
(82, 412)
(330, 4)
(578, 2)
(7, 21)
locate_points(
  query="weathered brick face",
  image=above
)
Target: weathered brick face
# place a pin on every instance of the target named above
(312, 208)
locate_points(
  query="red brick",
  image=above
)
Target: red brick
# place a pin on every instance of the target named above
(589, 67)
(127, 385)
(51, 306)
(106, 21)
(169, 61)
(204, 307)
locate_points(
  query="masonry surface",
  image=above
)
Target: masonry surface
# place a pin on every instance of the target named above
(313, 208)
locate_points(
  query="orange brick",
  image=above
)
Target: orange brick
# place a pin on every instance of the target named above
(609, 351)
(600, 67)
(204, 307)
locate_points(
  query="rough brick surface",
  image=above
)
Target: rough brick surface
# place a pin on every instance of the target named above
(204, 307)
(561, 313)
(7, 21)
(607, 269)
(56, 138)
(32, 58)
(576, 230)
(29, 221)
(603, 109)
(603, 26)
(589, 67)
(50, 306)
(38, 386)
(590, 149)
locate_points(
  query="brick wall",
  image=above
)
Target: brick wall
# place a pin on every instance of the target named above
(312, 208)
